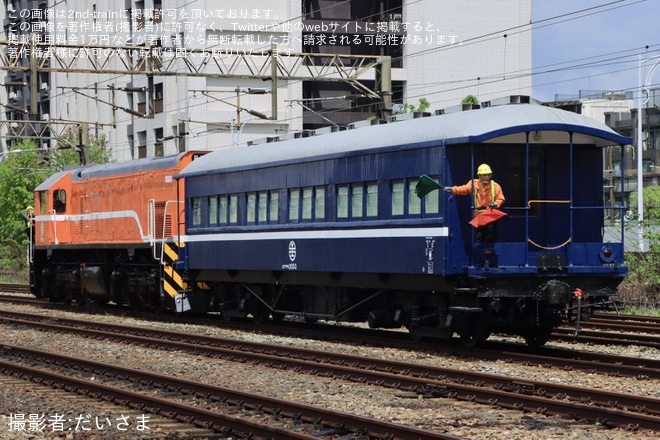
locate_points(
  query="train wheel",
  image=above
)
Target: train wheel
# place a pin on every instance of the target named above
(470, 340)
(539, 337)
(260, 314)
(36, 291)
(416, 335)
(81, 299)
(474, 336)
(226, 314)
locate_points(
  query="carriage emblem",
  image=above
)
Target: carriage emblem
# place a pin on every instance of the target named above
(292, 250)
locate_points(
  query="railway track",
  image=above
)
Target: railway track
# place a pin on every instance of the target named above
(612, 317)
(625, 330)
(595, 363)
(618, 410)
(14, 288)
(235, 413)
(116, 419)
(603, 328)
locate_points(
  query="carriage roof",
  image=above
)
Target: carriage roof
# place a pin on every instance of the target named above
(500, 124)
(92, 171)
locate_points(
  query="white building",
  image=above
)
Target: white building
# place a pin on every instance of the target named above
(204, 87)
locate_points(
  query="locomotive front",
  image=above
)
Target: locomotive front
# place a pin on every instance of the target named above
(100, 232)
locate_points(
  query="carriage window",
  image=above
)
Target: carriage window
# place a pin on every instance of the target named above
(59, 201)
(196, 211)
(372, 199)
(228, 209)
(342, 202)
(319, 203)
(397, 198)
(294, 205)
(213, 210)
(307, 203)
(251, 207)
(432, 201)
(233, 209)
(223, 209)
(262, 211)
(357, 200)
(274, 207)
(414, 202)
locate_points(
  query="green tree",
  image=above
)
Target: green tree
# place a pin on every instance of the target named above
(644, 268)
(423, 104)
(651, 204)
(22, 169)
(470, 99)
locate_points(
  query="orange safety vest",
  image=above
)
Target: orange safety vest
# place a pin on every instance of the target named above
(483, 195)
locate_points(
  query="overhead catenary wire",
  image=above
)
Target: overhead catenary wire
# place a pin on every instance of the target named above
(466, 83)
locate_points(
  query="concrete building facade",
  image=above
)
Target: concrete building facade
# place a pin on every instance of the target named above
(208, 85)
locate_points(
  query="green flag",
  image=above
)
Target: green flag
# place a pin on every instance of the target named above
(425, 186)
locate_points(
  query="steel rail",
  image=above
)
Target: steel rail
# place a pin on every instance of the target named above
(615, 409)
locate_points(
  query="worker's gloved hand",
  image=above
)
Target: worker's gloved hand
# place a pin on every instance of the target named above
(492, 205)
(447, 189)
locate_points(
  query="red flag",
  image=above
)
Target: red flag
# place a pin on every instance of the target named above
(488, 216)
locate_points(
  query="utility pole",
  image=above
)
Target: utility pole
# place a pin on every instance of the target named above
(384, 87)
(83, 144)
(273, 82)
(643, 91)
(34, 80)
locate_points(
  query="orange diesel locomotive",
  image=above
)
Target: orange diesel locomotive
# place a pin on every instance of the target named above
(107, 233)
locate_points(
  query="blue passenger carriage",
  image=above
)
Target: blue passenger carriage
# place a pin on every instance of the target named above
(330, 227)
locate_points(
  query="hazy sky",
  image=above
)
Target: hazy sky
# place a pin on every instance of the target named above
(593, 45)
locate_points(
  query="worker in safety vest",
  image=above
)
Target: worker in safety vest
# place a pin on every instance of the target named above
(28, 216)
(487, 193)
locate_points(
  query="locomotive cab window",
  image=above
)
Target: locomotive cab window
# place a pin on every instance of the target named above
(43, 196)
(59, 201)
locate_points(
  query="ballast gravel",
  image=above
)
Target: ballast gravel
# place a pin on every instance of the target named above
(96, 420)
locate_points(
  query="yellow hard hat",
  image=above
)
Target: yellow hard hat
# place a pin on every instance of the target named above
(484, 169)
(29, 208)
